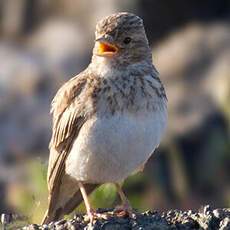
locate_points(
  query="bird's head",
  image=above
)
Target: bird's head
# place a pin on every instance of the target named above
(121, 39)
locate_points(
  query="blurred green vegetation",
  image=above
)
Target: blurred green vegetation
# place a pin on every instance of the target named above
(30, 197)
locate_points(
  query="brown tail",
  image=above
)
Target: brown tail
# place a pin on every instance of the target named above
(68, 198)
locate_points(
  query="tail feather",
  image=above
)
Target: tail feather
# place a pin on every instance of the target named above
(68, 198)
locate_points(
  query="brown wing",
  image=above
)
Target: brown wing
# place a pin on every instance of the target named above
(67, 121)
(64, 200)
(68, 118)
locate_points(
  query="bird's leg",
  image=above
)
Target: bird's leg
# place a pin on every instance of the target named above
(125, 207)
(89, 210)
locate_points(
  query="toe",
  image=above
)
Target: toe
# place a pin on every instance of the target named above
(124, 210)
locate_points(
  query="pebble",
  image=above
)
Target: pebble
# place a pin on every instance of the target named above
(225, 224)
(207, 218)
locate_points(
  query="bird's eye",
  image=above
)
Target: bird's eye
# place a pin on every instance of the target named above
(127, 40)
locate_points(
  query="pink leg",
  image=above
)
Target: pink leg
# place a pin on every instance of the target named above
(125, 207)
(89, 210)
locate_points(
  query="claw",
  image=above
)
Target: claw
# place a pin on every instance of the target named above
(124, 210)
(92, 215)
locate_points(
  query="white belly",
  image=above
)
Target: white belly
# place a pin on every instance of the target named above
(110, 149)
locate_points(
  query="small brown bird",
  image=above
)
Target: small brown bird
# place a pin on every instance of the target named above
(107, 120)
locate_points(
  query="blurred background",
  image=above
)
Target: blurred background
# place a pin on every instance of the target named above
(44, 43)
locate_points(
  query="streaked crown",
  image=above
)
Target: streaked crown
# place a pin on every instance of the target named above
(120, 21)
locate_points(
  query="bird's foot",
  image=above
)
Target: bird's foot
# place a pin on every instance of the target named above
(124, 210)
(92, 216)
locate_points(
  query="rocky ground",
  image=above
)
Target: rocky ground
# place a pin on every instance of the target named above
(205, 218)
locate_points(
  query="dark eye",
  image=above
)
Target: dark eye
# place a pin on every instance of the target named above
(127, 40)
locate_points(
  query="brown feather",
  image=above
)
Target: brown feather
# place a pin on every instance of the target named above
(68, 198)
(67, 121)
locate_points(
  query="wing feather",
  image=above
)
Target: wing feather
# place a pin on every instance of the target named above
(67, 121)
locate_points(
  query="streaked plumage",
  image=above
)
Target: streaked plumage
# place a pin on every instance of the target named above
(107, 120)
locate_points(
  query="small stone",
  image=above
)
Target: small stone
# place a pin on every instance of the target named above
(60, 222)
(6, 218)
(51, 224)
(207, 210)
(45, 227)
(33, 227)
(71, 227)
(189, 212)
(216, 213)
(225, 224)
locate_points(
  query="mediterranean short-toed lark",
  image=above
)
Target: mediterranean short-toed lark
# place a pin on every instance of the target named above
(107, 120)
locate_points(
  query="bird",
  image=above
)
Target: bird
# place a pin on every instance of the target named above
(107, 120)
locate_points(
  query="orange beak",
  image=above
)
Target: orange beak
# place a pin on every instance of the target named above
(106, 49)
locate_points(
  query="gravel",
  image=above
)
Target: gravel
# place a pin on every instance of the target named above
(205, 218)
